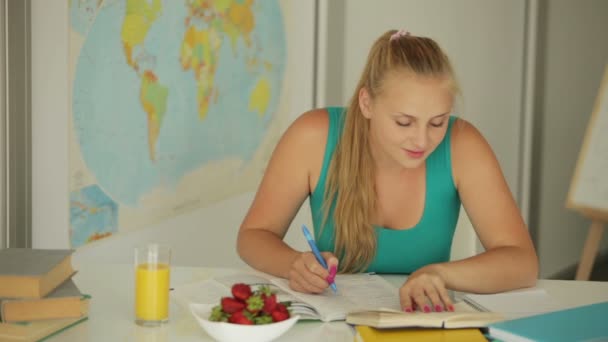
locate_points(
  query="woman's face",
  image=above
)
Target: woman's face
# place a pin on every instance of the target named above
(408, 118)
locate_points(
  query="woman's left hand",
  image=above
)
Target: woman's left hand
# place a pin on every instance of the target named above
(425, 289)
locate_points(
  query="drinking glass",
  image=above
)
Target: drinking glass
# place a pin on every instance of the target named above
(152, 274)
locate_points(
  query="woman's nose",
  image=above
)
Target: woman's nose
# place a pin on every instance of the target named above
(421, 139)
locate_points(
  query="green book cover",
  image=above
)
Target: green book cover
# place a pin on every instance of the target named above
(582, 323)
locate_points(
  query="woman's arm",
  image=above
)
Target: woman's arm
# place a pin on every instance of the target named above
(284, 187)
(510, 260)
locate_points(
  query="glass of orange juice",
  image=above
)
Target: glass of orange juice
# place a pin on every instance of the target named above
(152, 274)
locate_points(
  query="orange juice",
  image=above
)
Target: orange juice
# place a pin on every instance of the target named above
(152, 292)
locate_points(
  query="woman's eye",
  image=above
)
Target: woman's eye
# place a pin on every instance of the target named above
(403, 124)
(437, 124)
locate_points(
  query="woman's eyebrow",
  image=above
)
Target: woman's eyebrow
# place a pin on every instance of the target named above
(414, 117)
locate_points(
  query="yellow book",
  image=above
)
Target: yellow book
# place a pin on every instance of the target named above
(64, 302)
(33, 273)
(369, 334)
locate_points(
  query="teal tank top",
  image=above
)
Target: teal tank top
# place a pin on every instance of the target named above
(400, 251)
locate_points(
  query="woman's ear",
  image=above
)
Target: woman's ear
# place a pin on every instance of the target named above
(365, 103)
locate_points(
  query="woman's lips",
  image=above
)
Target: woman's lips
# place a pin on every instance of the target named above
(414, 154)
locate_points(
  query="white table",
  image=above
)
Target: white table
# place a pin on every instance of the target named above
(112, 307)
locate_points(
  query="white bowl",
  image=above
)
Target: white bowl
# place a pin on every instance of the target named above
(229, 332)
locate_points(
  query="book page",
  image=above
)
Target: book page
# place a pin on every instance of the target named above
(355, 292)
(515, 304)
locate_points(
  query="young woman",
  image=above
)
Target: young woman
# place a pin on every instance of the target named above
(386, 178)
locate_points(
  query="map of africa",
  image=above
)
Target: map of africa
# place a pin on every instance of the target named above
(174, 105)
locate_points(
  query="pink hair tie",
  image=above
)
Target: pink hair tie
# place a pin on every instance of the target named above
(399, 34)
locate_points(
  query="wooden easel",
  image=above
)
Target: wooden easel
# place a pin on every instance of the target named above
(589, 185)
(590, 249)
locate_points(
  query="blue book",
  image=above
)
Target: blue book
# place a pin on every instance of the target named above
(582, 323)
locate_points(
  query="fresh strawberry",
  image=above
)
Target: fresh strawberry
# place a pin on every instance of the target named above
(231, 305)
(280, 313)
(270, 303)
(262, 319)
(255, 303)
(218, 315)
(265, 290)
(250, 307)
(239, 317)
(241, 291)
(278, 316)
(281, 307)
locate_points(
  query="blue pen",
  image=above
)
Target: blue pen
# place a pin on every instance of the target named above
(316, 252)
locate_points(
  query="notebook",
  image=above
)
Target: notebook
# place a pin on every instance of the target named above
(355, 292)
(583, 323)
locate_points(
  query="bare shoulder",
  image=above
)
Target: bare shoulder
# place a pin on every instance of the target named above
(306, 136)
(470, 150)
(464, 133)
(310, 125)
(303, 143)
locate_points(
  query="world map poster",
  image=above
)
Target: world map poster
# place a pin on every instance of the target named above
(175, 105)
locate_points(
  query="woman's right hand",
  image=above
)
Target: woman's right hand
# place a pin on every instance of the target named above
(307, 275)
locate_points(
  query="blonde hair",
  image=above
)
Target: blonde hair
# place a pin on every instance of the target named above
(350, 181)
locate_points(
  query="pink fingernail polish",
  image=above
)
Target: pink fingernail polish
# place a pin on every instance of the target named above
(408, 309)
(427, 308)
(450, 307)
(438, 308)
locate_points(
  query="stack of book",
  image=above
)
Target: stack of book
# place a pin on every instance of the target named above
(38, 297)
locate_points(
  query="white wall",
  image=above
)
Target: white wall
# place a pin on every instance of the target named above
(574, 51)
(203, 237)
(485, 41)
(49, 124)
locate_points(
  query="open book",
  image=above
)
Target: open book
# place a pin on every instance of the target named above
(356, 292)
(463, 316)
(364, 299)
